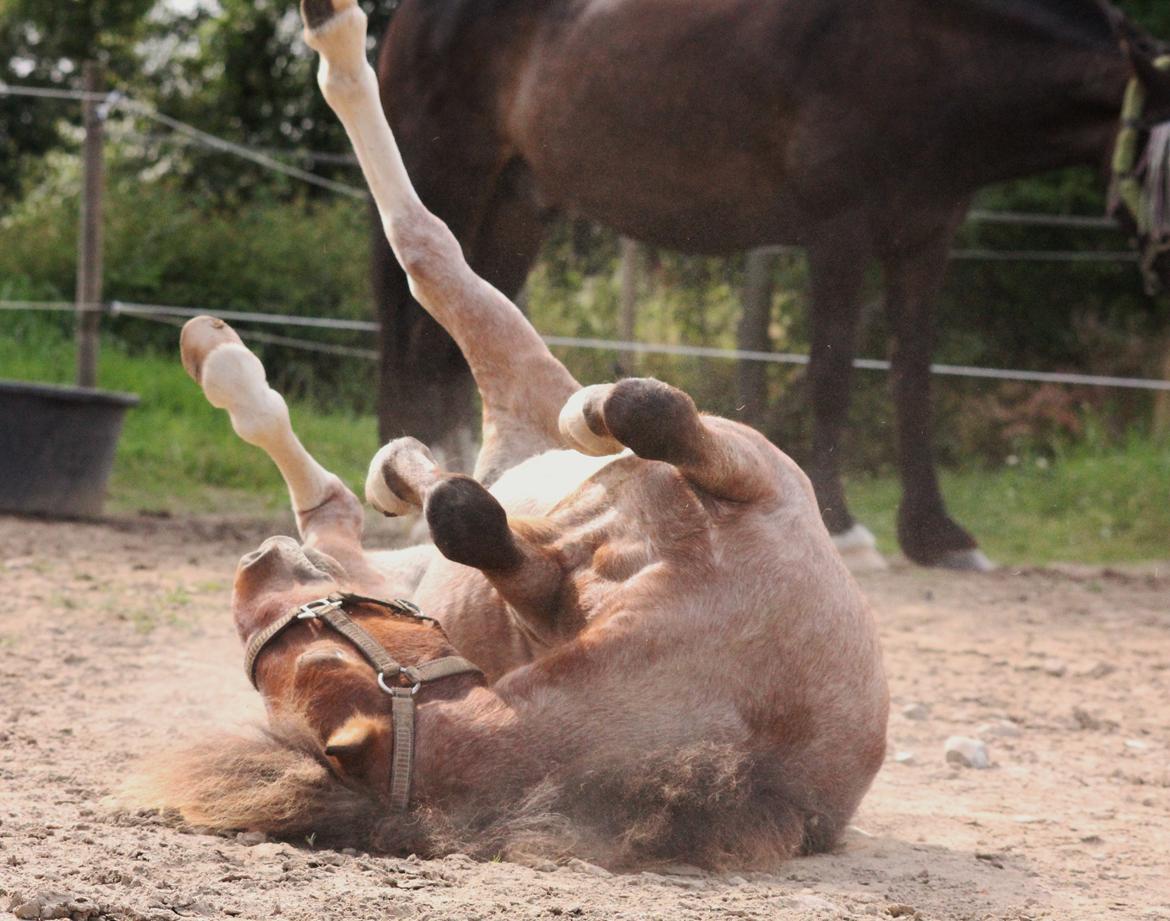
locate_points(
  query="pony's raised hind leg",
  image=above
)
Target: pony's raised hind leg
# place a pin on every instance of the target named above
(522, 385)
(659, 422)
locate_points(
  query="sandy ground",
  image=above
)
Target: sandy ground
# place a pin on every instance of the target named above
(115, 641)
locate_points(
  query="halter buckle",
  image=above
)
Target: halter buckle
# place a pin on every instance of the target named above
(318, 608)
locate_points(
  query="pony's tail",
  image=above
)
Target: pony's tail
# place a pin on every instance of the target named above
(275, 781)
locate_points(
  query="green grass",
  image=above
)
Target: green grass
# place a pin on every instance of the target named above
(178, 454)
(1095, 502)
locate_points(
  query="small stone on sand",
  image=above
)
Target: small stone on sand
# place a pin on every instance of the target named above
(967, 752)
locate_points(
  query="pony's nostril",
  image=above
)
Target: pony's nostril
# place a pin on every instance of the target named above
(282, 562)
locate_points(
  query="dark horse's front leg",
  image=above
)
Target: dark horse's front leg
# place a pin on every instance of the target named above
(837, 261)
(914, 278)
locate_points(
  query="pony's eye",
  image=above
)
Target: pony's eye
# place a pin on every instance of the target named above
(322, 658)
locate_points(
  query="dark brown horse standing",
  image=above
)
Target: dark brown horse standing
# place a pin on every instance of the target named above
(856, 128)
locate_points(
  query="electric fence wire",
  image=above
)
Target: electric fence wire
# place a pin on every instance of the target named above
(176, 315)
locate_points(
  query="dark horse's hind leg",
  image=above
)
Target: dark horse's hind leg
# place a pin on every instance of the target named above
(926, 533)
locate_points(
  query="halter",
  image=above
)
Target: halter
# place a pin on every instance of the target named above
(1126, 188)
(330, 611)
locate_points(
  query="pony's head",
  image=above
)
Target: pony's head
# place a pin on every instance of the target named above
(311, 675)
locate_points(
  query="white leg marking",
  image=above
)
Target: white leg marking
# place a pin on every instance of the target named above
(575, 430)
(233, 379)
(858, 548)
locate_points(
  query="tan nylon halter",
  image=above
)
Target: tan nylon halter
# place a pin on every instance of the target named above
(330, 611)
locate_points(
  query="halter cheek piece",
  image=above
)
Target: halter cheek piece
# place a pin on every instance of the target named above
(331, 611)
(1126, 189)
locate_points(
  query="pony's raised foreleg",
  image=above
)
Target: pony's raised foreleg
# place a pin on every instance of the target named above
(329, 516)
(523, 386)
(234, 379)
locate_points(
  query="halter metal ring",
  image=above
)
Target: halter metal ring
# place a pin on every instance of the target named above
(395, 691)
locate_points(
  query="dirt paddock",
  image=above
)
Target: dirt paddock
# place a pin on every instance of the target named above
(115, 641)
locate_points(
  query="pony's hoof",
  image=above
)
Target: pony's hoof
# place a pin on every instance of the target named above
(316, 13)
(972, 560)
(582, 424)
(858, 549)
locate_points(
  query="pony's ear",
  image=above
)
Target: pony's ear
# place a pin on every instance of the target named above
(360, 748)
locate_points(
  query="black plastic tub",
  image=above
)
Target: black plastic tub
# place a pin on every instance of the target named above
(57, 447)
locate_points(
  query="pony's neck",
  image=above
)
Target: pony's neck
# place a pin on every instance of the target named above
(470, 752)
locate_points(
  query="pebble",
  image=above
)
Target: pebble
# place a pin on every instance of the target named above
(583, 866)
(998, 729)
(270, 850)
(809, 903)
(251, 838)
(967, 752)
(918, 711)
(51, 904)
(904, 757)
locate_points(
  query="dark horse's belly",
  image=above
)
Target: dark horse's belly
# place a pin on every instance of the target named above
(704, 157)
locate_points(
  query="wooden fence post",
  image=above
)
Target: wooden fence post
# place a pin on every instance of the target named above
(630, 280)
(1162, 397)
(752, 335)
(89, 238)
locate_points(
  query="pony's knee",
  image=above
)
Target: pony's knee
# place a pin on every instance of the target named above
(425, 247)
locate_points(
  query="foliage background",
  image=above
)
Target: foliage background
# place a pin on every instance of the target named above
(190, 226)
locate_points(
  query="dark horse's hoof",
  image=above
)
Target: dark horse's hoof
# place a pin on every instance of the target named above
(972, 560)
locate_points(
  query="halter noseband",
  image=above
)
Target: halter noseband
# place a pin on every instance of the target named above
(330, 611)
(1125, 187)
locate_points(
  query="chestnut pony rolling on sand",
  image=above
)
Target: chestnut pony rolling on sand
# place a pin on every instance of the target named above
(671, 661)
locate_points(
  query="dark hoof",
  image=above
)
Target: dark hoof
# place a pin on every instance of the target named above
(316, 13)
(654, 420)
(858, 549)
(972, 560)
(469, 526)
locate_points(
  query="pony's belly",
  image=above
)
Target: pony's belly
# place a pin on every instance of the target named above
(538, 484)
